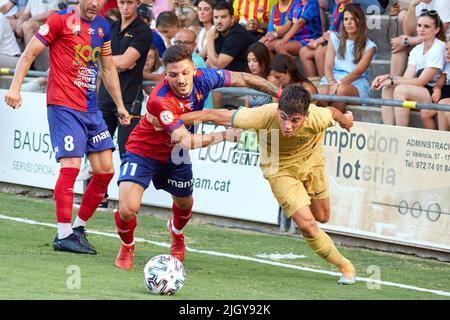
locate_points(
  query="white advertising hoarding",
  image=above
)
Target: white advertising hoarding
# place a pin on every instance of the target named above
(391, 183)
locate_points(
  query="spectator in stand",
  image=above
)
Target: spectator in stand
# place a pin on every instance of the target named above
(167, 25)
(284, 71)
(402, 45)
(187, 15)
(425, 64)
(313, 54)
(13, 9)
(205, 17)
(188, 38)
(108, 4)
(113, 14)
(441, 93)
(153, 69)
(303, 25)
(348, 58)
(9, 50)
(145, 13)
(254, 15)
(227, 42)
(258, 63)
(159, 6)
(278, 18)
(34, 15)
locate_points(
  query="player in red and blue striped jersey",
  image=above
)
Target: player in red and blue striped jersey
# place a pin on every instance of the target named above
(78, 40)
(160, 153)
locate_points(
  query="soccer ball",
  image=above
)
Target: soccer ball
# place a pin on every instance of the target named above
(164, 275)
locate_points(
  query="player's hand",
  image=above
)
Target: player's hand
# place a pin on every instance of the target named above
(154, 121)
(13, 99)
(347, 121)
(233, 134)
(124, 116)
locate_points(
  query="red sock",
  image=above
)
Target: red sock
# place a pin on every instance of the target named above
(125, 229)
(94, 194)
(64, 194)
(181, 216)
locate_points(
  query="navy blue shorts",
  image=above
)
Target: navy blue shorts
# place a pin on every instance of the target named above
(174, 178)
(74, 133)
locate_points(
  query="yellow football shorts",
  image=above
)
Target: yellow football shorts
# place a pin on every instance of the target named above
(294, 186)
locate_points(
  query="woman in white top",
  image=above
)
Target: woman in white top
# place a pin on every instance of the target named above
(425, 64)
(205, 17)
(441, 93)
(348, 59)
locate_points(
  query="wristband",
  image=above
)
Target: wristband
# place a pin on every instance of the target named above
(278, 95)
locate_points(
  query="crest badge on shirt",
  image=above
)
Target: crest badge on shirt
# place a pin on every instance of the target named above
(43, 30)
(166, 117)
(100, 32)
(76, 29)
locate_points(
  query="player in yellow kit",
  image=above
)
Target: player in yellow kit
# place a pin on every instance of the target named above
(290, 136)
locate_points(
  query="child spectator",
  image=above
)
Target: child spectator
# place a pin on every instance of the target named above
(167, 25)
(278, 18)
(348, 58)
(153, 68)
(303, 25)
(441, 93)
(313, 54)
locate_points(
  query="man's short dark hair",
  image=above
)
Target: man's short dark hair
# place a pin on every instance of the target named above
(224, 5)
(176, 53)
(294, 99)
(167, 19)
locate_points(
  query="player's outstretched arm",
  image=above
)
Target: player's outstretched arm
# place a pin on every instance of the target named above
(243, 79)
(112, 84)
(33, 49)
(344, 120)
(218, 116)
(187, 140)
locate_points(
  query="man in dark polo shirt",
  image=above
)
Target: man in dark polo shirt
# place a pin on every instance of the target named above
(227, 42)
(131, 39)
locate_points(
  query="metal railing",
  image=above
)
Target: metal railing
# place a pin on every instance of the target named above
(235, 91)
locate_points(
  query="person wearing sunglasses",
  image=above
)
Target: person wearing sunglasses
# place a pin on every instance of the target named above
(425, 64)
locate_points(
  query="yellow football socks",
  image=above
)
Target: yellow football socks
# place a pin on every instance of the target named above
(325, 248)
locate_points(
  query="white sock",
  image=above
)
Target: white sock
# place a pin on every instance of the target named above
(64, 230)
(175, 230)
(79, 222)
